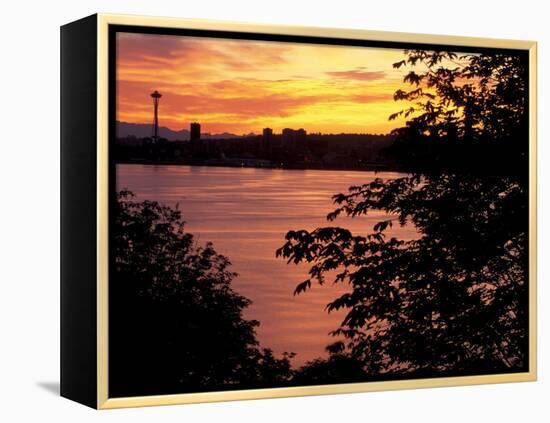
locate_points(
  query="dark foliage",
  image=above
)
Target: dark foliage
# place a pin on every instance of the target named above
(338, 368)
(466, 114)
(452, 301)
(176, 325)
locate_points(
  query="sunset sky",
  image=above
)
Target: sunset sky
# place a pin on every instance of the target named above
(243, 86)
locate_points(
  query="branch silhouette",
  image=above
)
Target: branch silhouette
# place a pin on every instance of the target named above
(176, 325)
(453, 301)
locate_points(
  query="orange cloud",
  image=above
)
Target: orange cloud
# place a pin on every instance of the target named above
(359, 74)
(242, 86)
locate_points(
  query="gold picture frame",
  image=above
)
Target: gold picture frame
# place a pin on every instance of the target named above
(102, 399)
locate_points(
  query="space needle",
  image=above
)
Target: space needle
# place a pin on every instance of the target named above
(156, 97)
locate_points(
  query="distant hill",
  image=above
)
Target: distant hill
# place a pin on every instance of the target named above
(143, 130)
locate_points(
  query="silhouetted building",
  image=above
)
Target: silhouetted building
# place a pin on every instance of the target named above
(267, 140)
(156, 98)
(195, 134)
(300, 135)
(287, 136)
(291, 137)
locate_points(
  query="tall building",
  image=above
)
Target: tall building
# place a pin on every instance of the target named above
(300, 135)
(287, 138)
(292, 137)
(267, 140)
(195, 133)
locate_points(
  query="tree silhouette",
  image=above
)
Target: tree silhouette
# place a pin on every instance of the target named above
(176, 325)
(337, 368)
(452, 301)
(466, 114)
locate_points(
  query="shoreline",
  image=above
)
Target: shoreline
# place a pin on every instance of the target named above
(369, 168)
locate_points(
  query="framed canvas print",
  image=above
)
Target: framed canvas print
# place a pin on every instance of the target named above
(256, 211)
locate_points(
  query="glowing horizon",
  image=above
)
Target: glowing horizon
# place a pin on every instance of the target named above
(243, 86)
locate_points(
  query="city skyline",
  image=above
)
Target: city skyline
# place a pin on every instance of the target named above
(257, 132)
(242, 86)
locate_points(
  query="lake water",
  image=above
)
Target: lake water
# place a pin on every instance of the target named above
(246, 213)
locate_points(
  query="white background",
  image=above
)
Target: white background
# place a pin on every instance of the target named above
(29, 215)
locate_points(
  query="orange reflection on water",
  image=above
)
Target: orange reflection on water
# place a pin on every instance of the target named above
(246, 213)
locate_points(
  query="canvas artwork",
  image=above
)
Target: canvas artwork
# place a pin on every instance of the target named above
(293, 213)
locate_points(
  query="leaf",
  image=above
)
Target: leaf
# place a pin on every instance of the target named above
(394, 116)
(335, 348)
(302, 287)
(381, 226)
